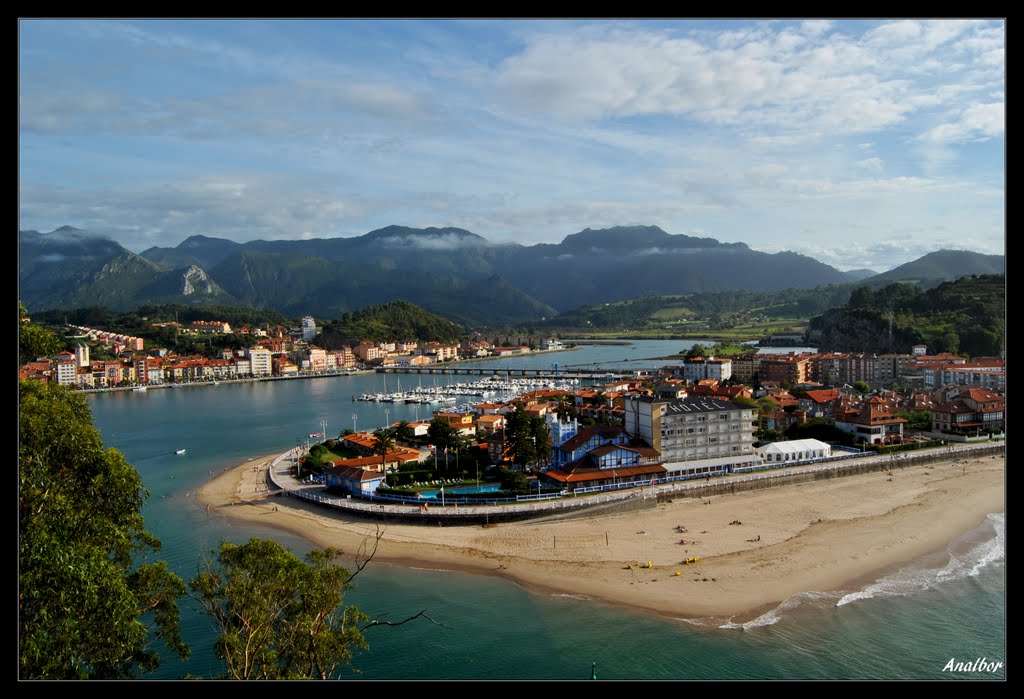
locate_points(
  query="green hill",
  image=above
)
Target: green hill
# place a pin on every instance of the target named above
(965, 316)
(389, 322)
(939, 266)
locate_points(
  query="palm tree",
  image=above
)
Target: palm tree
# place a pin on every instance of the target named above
(404, 431)
(383, 442)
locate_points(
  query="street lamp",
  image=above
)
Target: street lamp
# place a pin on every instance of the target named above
(354, 416)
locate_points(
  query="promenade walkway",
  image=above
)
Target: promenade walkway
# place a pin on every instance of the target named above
(637, 496)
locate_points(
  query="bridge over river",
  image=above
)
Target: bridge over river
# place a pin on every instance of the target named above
(567, 373)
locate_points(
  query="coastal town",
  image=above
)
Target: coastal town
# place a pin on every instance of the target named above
(269, 352)
(699, 417)
(425, 350)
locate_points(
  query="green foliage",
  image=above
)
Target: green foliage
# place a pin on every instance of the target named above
(390, 322)
(140, 323)
(442, 435)
(679, 312)
(312, 464)
(404, 431)
(514, 482)
(146, 314)
(35, 341)
(862, 386)
(277, 616)
(527, 437)
(566, 408)
(698, 350)
(918, 419)
(821, 429)
(383, 442)
(966, 316)
(89, 606)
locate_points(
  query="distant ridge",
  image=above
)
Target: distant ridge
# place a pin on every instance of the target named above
(446, 270)
(942, 265)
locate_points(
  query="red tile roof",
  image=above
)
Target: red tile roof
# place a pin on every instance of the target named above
(353, 473)
(585, 474)
(823, 396)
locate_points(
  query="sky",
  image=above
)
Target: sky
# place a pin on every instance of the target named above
(864, 144)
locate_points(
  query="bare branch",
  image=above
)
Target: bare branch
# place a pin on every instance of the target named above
(366, 554)
(423, 613)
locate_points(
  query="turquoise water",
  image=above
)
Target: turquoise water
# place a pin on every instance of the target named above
(905, 626)
(436, 494)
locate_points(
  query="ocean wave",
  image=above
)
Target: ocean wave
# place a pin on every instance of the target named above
(993, 551)
(432, 570)
(566, 595)
(712, 622)
(912, 579)
(773, 616)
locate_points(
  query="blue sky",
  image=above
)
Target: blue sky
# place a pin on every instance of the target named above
(860, 143)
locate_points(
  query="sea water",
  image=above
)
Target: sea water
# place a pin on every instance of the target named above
(907, 625)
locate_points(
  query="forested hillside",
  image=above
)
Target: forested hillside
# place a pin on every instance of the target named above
(966, 316)
(390, 322)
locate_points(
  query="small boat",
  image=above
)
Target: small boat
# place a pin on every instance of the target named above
(180, 451)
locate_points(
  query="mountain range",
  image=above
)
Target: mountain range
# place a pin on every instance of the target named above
(448, 271)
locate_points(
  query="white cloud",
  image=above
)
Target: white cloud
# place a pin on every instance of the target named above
(755, 75)
(525, 131)
(816, 27)
(447, 241)
(976, 122)
(239, 209)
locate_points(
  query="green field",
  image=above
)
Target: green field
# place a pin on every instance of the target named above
(697, 330)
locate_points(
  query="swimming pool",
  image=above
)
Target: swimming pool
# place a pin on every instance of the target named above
(460, 490)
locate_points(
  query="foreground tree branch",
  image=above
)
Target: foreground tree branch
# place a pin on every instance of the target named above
(423, 614)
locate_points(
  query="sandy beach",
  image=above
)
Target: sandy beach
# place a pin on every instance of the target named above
(830, 535)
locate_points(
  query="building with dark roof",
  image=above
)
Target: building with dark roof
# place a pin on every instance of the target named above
(585, 440)
(973, 410)
(693, 433)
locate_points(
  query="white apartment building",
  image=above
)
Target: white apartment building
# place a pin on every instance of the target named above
(259, 361)
(694, 433)
(67, 371)
(707, 368)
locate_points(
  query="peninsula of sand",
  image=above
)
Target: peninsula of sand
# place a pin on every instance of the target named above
(756, 548)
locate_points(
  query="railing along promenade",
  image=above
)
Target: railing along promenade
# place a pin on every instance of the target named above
(456, 511)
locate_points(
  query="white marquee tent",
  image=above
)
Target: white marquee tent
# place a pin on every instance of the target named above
(794, 450)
